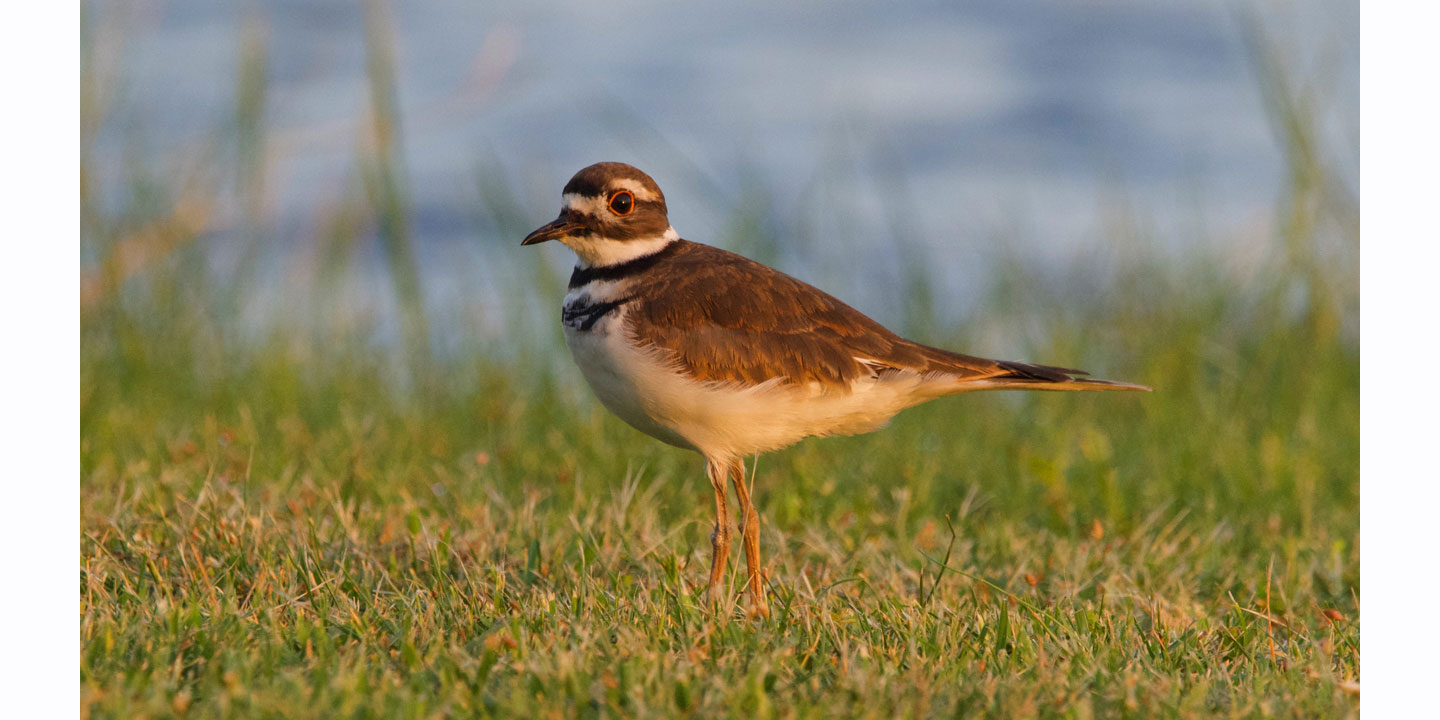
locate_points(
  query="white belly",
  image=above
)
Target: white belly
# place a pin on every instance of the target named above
(627, 382)
(643, 389)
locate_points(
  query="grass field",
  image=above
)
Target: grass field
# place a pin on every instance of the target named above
(317, 523)
(280, 531)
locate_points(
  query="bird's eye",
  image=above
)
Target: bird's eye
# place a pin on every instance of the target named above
(622, 202)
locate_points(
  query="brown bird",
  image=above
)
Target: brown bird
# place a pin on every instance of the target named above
(707, 350)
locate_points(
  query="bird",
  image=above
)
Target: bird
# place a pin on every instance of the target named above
(710, 351)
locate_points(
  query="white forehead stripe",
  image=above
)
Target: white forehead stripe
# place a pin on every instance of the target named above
(584, 205)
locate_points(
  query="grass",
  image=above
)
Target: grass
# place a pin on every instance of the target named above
(317, 522)
(274, 544)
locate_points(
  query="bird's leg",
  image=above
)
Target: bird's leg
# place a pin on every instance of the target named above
(720, 539)
(750, 534)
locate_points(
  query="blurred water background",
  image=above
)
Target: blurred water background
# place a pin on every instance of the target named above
(895, 155)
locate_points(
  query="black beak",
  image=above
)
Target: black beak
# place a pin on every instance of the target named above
(556, 229)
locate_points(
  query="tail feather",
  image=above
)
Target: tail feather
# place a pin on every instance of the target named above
(1044, 373)
(974, 373)
(1073, 384)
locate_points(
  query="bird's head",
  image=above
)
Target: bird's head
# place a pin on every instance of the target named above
(611, 213)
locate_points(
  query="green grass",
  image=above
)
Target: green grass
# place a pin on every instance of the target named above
(283, 530)
(310, 522)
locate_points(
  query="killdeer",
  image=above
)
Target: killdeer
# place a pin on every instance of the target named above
(711, 351)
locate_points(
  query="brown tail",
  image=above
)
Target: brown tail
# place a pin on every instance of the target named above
(1024, 376)
(975, 373)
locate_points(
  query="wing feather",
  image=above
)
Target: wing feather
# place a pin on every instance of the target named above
(726, 318)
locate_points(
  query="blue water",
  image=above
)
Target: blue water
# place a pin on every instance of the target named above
(855, 125)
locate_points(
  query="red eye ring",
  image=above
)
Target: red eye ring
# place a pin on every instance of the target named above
(621, 202)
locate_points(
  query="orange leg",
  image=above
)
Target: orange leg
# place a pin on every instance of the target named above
(720, 539)
(750, 533)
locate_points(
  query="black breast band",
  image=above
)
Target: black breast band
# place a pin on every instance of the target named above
(583, 315)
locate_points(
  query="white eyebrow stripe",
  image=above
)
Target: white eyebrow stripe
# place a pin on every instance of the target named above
(581, 203)
(639, 191)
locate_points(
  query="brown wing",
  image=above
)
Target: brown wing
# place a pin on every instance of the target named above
(725, 317)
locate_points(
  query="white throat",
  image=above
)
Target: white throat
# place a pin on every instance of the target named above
(598, 251)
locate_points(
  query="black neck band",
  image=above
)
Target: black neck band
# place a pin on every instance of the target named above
(583, 276)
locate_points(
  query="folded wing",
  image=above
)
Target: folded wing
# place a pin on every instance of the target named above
(725, 318)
